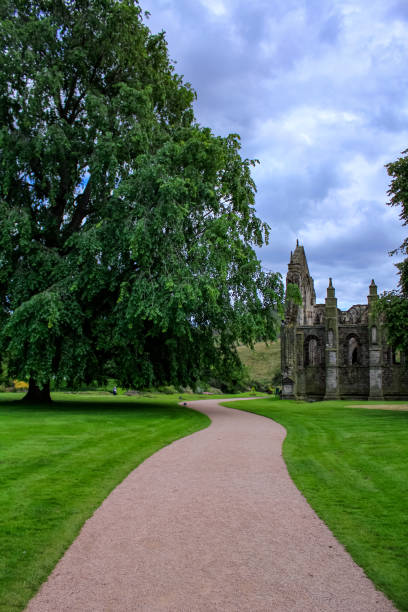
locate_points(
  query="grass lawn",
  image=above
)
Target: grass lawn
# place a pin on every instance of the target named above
(352, 466)
(59, 462)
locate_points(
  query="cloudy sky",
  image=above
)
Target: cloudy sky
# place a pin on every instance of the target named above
(318, 91)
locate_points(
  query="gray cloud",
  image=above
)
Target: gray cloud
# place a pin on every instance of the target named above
(319, 93)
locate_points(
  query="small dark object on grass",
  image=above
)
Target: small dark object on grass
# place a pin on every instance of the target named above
(185, 404)
(115, 391)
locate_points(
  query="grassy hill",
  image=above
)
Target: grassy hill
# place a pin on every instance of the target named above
(262, 363)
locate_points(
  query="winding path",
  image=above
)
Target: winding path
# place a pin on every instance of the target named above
(210, 523)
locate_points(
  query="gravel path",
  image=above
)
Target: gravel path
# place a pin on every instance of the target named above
(210, 523)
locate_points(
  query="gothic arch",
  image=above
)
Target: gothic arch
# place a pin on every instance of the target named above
(352, 350)
(312, 351)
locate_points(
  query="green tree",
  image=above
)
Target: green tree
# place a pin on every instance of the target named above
(398, 192)
(394, 304)
(127, 231)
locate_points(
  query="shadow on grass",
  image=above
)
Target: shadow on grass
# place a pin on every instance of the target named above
(92, 405)
(59, 461)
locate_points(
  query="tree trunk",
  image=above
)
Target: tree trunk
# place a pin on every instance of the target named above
(35, 395)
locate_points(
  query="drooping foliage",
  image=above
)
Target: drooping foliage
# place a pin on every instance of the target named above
(398, 192)
(394, 307)
(127, 231)
(394, 304)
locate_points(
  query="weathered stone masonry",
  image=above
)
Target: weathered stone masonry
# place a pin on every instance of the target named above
(327, 353)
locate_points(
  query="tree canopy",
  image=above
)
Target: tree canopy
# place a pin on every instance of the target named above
(398, 193)
(394, 304)
(127, 230)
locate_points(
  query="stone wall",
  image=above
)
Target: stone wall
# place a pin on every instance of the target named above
(333, 354)
(395, 381)
(310, 361)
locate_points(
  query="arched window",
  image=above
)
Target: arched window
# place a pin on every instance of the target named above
(374, 334)
(312, 351)
(353, 351)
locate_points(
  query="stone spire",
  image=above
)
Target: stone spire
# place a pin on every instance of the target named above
(372, 296)
(332, 344)
(374, 347)
(331, 293)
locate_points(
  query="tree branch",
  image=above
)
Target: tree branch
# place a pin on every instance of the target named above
(81, 210)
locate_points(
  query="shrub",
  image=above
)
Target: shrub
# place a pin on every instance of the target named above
(20, 385)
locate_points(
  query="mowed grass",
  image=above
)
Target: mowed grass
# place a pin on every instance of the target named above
(58, 463)
(352, 466)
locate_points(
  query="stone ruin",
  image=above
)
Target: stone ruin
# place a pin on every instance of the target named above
(327, 353)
